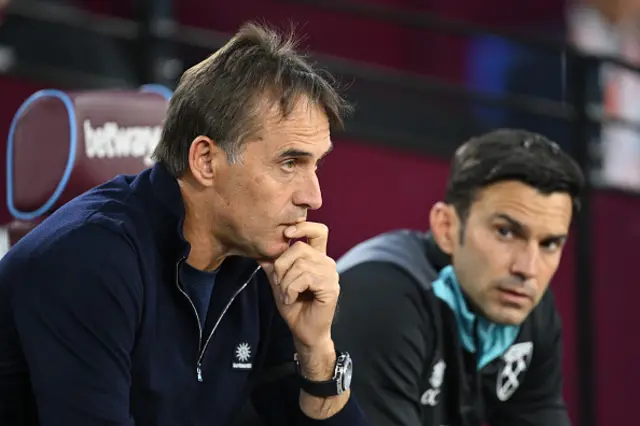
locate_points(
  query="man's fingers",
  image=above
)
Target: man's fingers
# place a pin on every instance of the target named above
(317, 234)
(304, 276)
(293, 283)
(287, 288)
(287, 259)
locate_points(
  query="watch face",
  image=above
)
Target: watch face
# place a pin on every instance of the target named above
(348, 372)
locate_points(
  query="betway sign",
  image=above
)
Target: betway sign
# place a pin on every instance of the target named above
(112, 141)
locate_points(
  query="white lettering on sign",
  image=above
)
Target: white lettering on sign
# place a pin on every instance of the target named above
(112, 141)
(5, 241)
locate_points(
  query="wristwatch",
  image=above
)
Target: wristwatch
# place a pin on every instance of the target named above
(338, 385)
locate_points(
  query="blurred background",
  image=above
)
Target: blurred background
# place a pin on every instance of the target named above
(424, 76)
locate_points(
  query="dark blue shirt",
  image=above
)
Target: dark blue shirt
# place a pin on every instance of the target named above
(198, 285)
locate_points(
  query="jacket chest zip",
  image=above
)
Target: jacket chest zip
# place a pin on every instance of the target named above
(203, 347)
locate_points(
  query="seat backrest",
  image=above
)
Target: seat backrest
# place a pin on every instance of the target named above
(62, 144)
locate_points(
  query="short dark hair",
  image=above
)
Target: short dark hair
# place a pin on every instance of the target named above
(221, 97)
(511, 154)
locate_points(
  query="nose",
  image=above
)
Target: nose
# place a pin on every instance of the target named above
(526, 261)
(309, 195)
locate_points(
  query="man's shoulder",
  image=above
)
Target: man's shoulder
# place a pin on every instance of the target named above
(115, 205)
(378, 288)
(394, 252)
(97, 222)
(374, 271)
(65, 243)
(543, 326)
(399, 240)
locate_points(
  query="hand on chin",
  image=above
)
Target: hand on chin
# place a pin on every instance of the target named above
(304, 281)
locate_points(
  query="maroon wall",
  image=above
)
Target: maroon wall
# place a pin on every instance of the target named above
(377, 41)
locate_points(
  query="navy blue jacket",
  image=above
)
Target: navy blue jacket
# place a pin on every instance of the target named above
(96, 330)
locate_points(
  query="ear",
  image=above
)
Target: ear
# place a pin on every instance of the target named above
(444, 225)
(204, 159)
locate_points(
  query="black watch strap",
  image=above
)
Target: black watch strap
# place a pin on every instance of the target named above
(337, 385)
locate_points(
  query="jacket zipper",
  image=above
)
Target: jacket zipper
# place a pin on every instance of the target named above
(201, 348)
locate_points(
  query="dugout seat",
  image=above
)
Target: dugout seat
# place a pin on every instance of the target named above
(62, 144)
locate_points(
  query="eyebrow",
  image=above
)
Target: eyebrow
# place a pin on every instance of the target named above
(298, 153)
(524, 230)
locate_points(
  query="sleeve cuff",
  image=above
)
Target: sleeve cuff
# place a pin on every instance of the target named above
(350, 415)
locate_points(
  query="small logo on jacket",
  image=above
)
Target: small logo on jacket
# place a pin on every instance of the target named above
(430, 397)
(243, 355)
(516, 362)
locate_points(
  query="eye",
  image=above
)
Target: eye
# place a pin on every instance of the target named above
(504, 232)
(289, 165)
(551, 245)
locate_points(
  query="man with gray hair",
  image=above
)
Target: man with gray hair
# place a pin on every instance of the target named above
(173, 296)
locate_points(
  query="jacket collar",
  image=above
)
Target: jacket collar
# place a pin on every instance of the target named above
(166, 190)
(167, 208)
